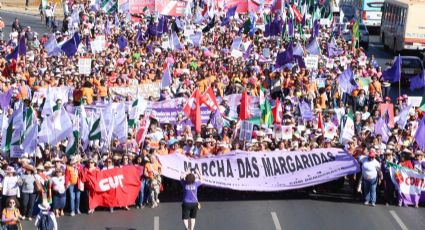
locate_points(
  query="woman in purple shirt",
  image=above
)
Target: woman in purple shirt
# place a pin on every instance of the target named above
(190, 183)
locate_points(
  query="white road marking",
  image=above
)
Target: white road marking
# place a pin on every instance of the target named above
(398, 220)
(276, 221)
(156, 223)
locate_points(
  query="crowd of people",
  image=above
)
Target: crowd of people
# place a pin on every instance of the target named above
(49, 174)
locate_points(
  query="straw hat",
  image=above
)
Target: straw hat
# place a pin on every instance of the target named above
(10, 169)
(40, 167)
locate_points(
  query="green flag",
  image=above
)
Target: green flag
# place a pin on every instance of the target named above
(95, 131)
(266, 109)
(72, 147)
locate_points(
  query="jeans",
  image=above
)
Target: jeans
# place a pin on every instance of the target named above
(74, 198)
(144, 184)
(27, 202)
(369, 189)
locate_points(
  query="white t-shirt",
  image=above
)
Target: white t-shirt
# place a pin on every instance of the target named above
(370, 168)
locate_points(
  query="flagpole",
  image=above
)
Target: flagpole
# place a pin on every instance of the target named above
(399, 81)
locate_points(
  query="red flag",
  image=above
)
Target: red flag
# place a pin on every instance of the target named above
(320, 122)
(244, 107)
(117, 187)
(277, 112)
(142, 131)
(209, 99)
(204, 11)
(297, 14)
(192, 109)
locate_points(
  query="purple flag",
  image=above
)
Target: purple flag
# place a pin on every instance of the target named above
(122, 42)
(230, 13)
(346, 81)
(381, 128)
(268, 29)
(316, 28)
(298, 51)
(305, 111)
(217, 120)
(393, 74)
(300, 61)
(285, 57)
(22, 47)
(333, 49)
(313, 47)
(166, 79)
(420, 134)
(14, 54)
(248, 52)
(139, 37)
(5, 99)
(290, 27)
(417, 81)
(70, 47)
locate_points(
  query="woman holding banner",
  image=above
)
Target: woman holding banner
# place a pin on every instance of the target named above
(190, 206)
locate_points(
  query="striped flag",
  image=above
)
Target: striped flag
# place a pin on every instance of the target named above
(109, 6)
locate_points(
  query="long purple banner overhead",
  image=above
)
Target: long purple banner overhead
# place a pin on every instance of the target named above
(264, 171)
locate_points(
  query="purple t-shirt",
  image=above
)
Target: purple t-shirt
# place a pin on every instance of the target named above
(190, 194)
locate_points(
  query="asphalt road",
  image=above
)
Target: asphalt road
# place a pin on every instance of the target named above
(255, 215)
(274, 211)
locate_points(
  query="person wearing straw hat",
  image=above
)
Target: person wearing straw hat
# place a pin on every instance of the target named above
(389, 189)
(28, 191)
(10, 185)
(11, 215)
(45, 219)
(58, 192)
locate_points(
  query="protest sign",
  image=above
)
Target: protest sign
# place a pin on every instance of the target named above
(98, 44)
(264, 171)
(245, 133)
(414, 101)
(409, 183)
(311, 62)
(84, 66)
(117, 187)
(145, 91)
(330, 63)
(287, 132)
(387, 109)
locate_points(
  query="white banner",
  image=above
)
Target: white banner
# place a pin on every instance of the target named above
(264, 171)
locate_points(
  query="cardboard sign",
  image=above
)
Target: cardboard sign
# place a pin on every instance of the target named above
(330, 63)
(362, 60)
(245, 133)
(98, 44)
(311, 62)
(84, 66)
(414, 101)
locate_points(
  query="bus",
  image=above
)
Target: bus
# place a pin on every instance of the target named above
(403, 25)
(369, 11)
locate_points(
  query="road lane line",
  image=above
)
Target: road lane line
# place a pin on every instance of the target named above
(156, 223)
(398, 220)
(276, 221)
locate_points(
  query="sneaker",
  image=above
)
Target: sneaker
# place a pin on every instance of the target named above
(29, 218)
(366, 203)
(72, 214)
(373, 204)
(111, 210)
(157, 201)
(399, 204)
(78, 212)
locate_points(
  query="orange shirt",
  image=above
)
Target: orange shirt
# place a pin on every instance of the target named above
(11, 213)
(88, 93)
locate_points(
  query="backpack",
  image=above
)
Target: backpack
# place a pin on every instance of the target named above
(45, 223)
